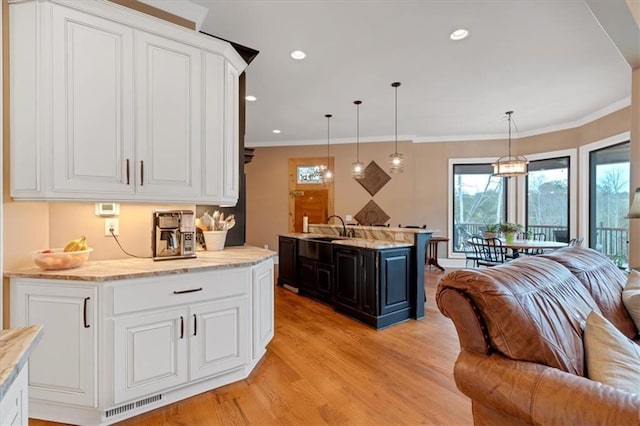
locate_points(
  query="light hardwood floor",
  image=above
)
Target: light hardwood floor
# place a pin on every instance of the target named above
(323, 368)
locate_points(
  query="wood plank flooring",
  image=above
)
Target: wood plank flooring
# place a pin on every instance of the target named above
(323, 368)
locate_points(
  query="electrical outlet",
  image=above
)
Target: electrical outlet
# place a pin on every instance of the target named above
(348, 218)
(111, 224)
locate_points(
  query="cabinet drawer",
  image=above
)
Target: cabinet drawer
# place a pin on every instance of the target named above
(169, 290)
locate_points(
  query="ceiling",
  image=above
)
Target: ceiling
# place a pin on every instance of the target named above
(549, 61)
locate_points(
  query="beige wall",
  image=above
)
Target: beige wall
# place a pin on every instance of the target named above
(418, 196)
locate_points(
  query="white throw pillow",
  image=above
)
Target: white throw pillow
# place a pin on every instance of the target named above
(611, 357)
(631, 297)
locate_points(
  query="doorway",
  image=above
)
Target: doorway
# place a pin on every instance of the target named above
(307, 194)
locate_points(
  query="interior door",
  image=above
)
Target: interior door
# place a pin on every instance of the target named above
(313, 198)
(312, 203)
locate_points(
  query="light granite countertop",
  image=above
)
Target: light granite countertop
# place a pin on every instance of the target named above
(353, 242)
(16, 345)
(108, 270)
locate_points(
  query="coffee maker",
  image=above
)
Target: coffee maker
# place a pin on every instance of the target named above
(173, 234)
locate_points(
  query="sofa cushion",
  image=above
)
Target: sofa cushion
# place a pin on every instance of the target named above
(532, 308)
(604, 281)
(611, 357)
(631, 297)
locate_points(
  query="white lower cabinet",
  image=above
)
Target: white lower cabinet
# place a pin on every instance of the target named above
(63, 367)
(263, 317)
(14, 406)
(114, 349)
(150, 353)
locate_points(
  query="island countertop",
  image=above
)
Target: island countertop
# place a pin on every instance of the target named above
(16, 345)
(116, 269)
(353, 242)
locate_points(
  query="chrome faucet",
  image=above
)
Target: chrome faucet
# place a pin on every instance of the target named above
(344, 227)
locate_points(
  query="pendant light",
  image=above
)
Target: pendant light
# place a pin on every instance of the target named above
(327, 174)
(357, 168)
(396, 160)
(511, 165)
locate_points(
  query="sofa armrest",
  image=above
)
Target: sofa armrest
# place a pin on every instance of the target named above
(538, 394)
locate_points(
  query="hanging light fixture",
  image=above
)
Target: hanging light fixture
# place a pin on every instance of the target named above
(327, 174)
(634, 211)
(511, 165)
(396, 160)
(357, 169)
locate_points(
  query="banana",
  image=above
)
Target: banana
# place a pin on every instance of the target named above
(79, 244)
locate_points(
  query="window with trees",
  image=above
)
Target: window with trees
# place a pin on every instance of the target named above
(609, 186)
(547, 198)
(479, 199)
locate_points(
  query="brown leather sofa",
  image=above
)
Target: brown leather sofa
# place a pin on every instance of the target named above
(520, 324)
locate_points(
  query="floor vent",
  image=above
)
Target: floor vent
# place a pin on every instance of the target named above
(149, 400)
(132, 405)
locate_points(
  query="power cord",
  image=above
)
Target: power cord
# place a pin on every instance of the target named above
(124, 251)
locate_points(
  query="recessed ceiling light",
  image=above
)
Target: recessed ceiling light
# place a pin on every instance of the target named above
(459, 34)
(298, 55)
(276, 131)
(251, 98)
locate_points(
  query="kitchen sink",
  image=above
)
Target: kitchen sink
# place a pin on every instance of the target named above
(318, 248)
(327, 239)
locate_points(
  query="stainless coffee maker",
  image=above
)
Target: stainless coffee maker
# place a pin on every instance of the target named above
(174, 234)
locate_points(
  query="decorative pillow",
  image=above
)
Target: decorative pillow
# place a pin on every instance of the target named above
(631, 297)
(611, 357)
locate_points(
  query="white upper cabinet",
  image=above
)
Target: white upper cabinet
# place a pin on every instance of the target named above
(168, 111)
(110, 103)
(92, 103)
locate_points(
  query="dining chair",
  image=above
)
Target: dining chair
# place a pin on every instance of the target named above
(536, 237)
(561, 235)
(576, 242)
(472, 251)
(493, 252)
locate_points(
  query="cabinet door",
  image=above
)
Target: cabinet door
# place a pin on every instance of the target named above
(348, 272)
(324, 281)
(168, 112)
(369, 282)
(150, 353)
(93, 125)
(262, 301)
(287, 255)
(63, 366)
(219, 336)
(307, 275)
(231, 179)
(394, 280)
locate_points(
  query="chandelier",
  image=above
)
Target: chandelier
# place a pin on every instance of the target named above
(511, 165)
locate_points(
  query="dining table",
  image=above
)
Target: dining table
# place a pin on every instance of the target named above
(533, 244)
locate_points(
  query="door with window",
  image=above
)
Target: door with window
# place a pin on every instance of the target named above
(307, 193)
(609, 186)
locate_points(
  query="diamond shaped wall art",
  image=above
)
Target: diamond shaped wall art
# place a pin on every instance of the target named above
(374, 178)
(371, 214)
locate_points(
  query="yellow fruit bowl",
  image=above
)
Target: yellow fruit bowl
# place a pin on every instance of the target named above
(55, 259)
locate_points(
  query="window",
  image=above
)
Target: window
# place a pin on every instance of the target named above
(309, 174)
(478, 199)
(609, 171)
(547, 193)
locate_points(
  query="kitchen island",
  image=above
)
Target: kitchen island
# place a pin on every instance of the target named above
(122, 337)
(16, 345)
(375, 276)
